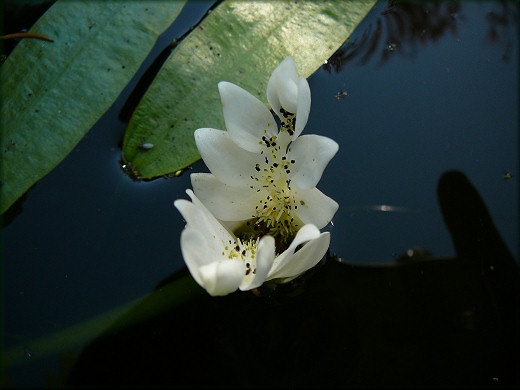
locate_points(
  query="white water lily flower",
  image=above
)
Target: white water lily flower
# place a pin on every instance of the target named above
(221, 263)
(262, 172)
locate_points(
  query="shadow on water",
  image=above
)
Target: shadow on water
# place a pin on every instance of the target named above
(423, 322)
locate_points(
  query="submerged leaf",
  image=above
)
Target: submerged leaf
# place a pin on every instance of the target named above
(178, 289)
(241, 42)
(54, 92)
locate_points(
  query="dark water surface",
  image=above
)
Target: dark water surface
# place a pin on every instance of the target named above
(419, 90)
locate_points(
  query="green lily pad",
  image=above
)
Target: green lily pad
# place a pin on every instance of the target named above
(54, 92)
(241, 42)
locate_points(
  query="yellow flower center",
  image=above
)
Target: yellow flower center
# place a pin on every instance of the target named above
(275, 211)
(243, 250)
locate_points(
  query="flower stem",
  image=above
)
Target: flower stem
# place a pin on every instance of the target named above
(27, 35)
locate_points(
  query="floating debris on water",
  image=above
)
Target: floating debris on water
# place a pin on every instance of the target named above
(341, 95)
(27, 351)
(174, 174)
(391, 46)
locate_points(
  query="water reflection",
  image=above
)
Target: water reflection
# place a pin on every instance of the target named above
(382, 207)
(501, 26)
(403, 27)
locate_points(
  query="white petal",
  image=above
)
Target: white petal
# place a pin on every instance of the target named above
(315, 207)
(303, 107)
(226, 160)
(198, 217)
(288, 95)
(247, 118)
(286, 89)
(305, 258)
(312, 153)
(202, 243)
(200, 252)
(264, 261)
(222, 278)
(282, 87)
(194, 252)
(227, 203)
(305, 234)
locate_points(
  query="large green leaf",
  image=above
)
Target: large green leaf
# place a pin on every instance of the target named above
(53, 92)
(241, 42)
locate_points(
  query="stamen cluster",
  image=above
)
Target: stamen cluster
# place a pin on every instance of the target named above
(275, 210)
(242, 250)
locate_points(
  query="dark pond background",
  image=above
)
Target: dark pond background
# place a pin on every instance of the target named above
(419, 89)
